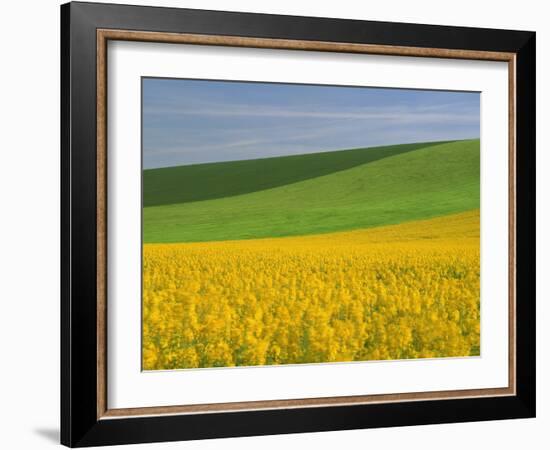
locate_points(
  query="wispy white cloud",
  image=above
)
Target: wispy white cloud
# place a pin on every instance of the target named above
(230, 145)
(403, 114)
(245, 140)
(193, 122)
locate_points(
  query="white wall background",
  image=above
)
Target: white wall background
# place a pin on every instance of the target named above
(29, 224)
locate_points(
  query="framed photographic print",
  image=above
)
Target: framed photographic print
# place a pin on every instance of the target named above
(277, 224)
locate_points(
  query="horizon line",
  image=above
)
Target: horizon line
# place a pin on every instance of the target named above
(304, 154)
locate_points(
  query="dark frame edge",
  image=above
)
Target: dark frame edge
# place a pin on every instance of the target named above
(526, 223)
(78, 227)
(65, 187)
(302, 420)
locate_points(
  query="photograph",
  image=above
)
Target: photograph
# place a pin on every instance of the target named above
(307, 224)
(285, 221)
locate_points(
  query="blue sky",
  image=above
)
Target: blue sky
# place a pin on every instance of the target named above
(198, 121)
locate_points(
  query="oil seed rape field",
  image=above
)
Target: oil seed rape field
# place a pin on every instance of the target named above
(393, 292)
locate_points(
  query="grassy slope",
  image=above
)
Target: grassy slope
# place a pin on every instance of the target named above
(217, 180)
(428, 182)
(460, 229)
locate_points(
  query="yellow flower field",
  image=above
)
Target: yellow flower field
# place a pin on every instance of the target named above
(395, 292)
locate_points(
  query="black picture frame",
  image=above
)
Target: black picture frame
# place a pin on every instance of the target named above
(80, 425)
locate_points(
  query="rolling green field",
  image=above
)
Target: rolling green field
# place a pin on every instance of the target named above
(310, 194)
(199, 182)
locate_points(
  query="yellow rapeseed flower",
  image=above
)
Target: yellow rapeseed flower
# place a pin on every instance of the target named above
(395, 292)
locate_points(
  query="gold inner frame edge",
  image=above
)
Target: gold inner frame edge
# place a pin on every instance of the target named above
(103, 36)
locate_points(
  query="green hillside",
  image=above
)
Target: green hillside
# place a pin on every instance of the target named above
(199, 182)
(411, 185)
